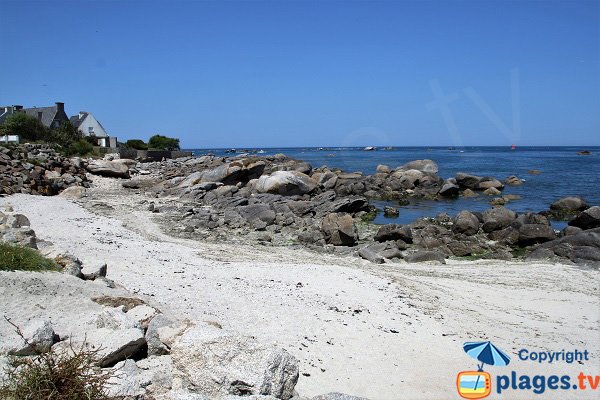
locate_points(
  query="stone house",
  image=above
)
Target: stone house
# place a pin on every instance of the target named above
(90, 126)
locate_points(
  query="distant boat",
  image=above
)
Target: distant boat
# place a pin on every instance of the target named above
(369, 148)
(260, 152)
(513, 147)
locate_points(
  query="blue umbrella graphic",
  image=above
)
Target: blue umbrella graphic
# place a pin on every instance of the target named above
(487, 353)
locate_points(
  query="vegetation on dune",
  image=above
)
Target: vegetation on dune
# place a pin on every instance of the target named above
(71, 374)
(13, 258)
(136, 144)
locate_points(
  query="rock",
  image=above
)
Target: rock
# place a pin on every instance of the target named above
(428, 166)
(39, 335)
(488, 183)
(394, 232)
(255, 212)
(492, 191)
(339, 230)
(466, 223)
(113, 169)
(390, 212)
(286, 183)
(513, 181)
(93, 271)
(570, 230)
(142, 315)
(128, 380)
(535, 233)
(409, 179)
(469, 193)
(217, 363)
(370, 255)
(467, 181)
(115, 345)
(540, 254)
(497, 218)
(587, 219)
(449, 190)
(383, 169)
(534, 172)
(73, 192)
(70, 265)
(425, 256)
(155, 346)
(570, 204)
(584, 153)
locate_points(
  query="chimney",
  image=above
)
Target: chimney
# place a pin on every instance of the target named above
(60, 107)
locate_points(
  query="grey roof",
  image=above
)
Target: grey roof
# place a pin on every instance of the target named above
(48, 114)
(76, 121)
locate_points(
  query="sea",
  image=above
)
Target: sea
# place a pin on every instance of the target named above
(561, 172)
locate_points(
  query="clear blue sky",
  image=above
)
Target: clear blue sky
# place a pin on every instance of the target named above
(304, 73)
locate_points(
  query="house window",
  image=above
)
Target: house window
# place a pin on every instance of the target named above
(90, 130)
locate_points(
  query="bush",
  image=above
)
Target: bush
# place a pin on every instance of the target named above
(79, 148)
(136, 144)
(68, 375)
(66, 135)
(13, 257)
(160, 142)
(27, 127)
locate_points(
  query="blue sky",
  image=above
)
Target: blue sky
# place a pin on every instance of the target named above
(313, 73)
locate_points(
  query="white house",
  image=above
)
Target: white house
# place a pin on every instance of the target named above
(90, 126)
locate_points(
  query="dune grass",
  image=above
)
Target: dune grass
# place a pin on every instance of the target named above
(19, 258)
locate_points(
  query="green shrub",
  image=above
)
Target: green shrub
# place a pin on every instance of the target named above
(136, 144)
(13, 257)
(28, 128)
(79, 148)
(53, 375)
(160, 142)
(66, 135)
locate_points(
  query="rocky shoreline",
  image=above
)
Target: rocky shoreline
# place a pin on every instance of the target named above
(278, 203)
(282, 201)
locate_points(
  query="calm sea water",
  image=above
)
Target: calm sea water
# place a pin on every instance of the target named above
(563, 172)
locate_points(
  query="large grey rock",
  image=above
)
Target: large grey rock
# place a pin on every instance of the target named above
(216, 364)
(115, 345)
(39, 337)
(466, 223)
(394, 232)
(260, 212)
(114, 169)
(497, 218)
(535, 233)
(467, 180)
(155, 345)
(489, 183)
(449, 190)
(569, 204)
(339, 230)
(369, 254)
(587, 219)
(408, 178)
(286, 183)
(428, 166)
(73, 192)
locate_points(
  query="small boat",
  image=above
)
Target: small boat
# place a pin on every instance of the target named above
(369, 148)
(513, 147)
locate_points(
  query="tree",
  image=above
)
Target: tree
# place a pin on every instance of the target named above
(160, 142)
(65, 135)
(136, 144)
(27, 127)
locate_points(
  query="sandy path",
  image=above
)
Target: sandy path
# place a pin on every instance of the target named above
(385, 332)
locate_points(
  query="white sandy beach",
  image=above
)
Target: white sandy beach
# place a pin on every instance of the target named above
(391, 331)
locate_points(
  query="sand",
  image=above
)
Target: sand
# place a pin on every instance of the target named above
(392, 331)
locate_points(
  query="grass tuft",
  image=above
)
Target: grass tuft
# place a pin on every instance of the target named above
(14, 258)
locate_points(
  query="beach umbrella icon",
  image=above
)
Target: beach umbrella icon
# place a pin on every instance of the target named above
(487, 353)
